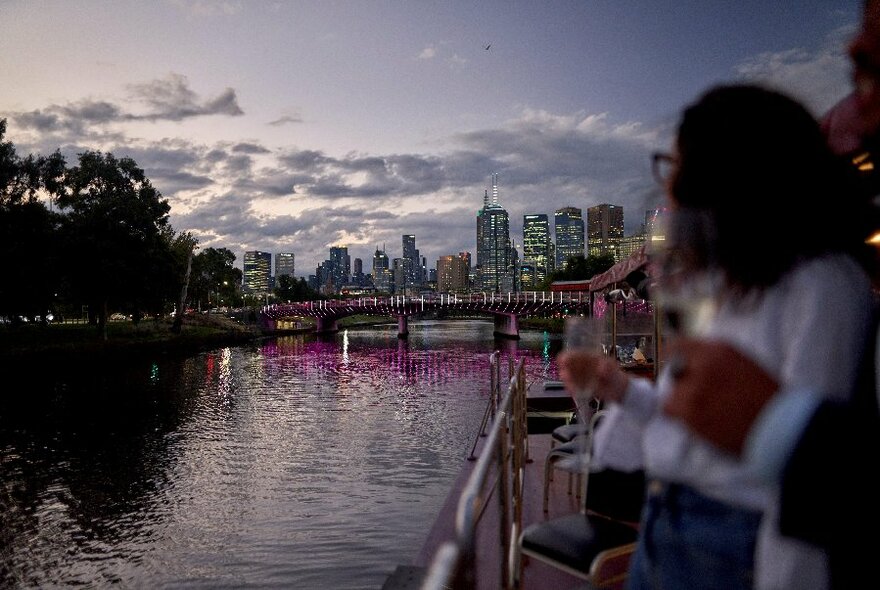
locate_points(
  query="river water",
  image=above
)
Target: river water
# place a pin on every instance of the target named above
(294, 462)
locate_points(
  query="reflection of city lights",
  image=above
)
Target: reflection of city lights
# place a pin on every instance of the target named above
(209, 368)
(154, 373)
(224, 383)
(349, 358)
(545, 350)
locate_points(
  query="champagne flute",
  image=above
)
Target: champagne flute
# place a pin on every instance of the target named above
(583, 335)
(683, 249)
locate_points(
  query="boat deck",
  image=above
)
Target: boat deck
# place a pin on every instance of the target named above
(535, 574)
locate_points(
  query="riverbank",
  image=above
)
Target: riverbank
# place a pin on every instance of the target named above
(75, 342)
(78, 342)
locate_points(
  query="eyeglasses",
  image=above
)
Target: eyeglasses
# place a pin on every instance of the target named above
(662, 166)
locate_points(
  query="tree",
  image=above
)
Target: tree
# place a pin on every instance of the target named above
(292, 289)
(114, 227)
(214, 278)
(28, 231)
(185, 247)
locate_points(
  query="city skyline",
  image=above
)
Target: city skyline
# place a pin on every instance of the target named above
(294, 127)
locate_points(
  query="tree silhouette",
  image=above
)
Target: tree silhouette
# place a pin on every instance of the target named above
(28, 232)
(115, 232)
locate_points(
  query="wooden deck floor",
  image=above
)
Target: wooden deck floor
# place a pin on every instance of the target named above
(536, 575)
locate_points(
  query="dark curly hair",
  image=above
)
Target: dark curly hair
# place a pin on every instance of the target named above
(757, 163)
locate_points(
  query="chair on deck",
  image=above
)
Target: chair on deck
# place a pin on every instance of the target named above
(575, 438)
(589, 546)
(595, 543)
(568, 432)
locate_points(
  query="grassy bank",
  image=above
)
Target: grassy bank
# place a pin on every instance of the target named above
(83, 341)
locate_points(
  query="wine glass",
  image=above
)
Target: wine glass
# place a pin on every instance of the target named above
(583, 335)
(683, 253)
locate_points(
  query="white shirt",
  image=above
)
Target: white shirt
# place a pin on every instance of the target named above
(808, 331)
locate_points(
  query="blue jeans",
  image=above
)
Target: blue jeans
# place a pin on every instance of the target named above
(689, 541)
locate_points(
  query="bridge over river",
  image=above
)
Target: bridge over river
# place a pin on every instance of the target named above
(504, 308)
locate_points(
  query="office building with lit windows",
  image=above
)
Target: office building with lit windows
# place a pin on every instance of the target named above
(382, 276)
(537, 250)
(494, 257)
(452, 273)
(340, 266)
(257, 275)
(569, 228)
(411, 253)
(605, 230)
(284, 264)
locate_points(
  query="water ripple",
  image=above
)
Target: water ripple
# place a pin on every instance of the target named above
(295, 463)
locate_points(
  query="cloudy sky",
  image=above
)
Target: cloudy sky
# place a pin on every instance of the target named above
(298, 125)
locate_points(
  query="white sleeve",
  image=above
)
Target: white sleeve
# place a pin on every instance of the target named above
(617, 443)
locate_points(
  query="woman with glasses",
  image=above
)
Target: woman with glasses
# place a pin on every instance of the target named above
(760, 252)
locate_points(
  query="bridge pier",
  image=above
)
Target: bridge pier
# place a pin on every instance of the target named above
(325, 325)
(402, 327)
(506, 325)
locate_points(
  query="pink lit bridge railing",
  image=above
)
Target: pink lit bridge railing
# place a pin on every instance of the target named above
(503, 307)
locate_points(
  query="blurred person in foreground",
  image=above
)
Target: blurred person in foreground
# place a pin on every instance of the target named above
(822, 454)
(744, 158)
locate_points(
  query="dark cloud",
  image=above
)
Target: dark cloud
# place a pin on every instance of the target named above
(249, 148)
(307, 161)
(176, 180)
(93, 111)
(169, 99)
(285, 120)
(267, 183)
(172, 99)
(38, 121)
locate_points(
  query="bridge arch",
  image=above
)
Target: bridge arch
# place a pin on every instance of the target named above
(504, 308)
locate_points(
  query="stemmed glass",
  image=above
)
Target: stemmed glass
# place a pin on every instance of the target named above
(583, 335)
(683, 254)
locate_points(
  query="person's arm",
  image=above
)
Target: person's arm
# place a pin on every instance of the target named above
(823, 454)
(776, 431)
(717, 391)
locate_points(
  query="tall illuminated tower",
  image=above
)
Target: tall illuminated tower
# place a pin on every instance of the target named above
(493, 245)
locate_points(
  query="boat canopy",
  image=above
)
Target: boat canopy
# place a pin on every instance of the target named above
(637, 261)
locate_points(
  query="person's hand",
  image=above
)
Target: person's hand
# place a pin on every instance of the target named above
(717, 391)
(598, 373)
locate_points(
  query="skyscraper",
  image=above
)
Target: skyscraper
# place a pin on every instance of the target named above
(569, 227)
(605, 229)
(414, 279)
(493, 244)
(452, 273)
(401, 268)
(257, 274)
(357, 275)
(284, 264)
(382, 278)
(536, 249)
(340, 266)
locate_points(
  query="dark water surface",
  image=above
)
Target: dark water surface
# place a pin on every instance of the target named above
(291, 463)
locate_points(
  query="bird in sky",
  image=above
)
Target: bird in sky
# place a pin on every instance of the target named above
(488, 46)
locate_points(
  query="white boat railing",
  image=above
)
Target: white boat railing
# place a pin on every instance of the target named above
(499, 472)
